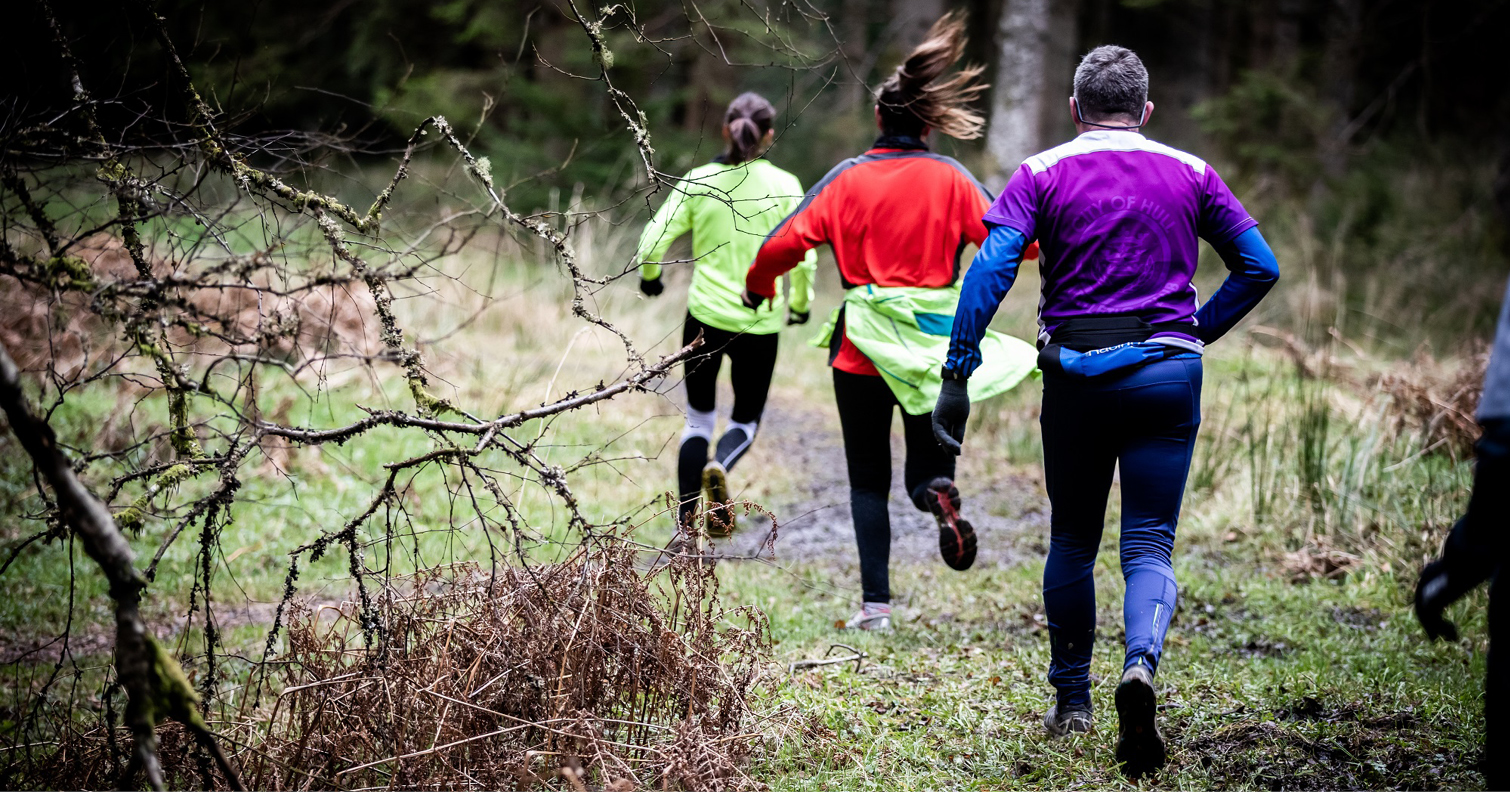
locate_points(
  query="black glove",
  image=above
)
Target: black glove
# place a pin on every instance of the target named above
(1434, 593)
(751, 300)
(950, 414)
(1462, 567)
(798, 317)
(652, 286)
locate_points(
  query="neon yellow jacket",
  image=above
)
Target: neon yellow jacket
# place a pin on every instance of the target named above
(904, 330)
(729, 209)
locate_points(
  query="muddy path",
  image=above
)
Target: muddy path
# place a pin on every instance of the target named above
(1009, 511)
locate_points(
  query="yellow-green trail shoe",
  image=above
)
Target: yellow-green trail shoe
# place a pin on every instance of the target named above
(717, 509)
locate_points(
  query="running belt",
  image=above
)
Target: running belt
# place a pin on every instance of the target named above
(1096, 346)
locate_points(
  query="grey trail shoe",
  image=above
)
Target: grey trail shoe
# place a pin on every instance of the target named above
(873, 616)
(1064, 724)
(1140, 746)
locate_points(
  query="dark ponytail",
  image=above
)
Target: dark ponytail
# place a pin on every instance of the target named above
(748, 118)
(914, 97)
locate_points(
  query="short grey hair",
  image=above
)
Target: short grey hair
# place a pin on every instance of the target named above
(1111, 81)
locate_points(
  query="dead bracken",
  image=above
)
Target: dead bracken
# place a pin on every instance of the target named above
(587, 673)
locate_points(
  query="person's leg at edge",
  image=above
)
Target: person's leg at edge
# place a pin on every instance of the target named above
(865, 406)
(752, 360)
(1162, 404)
(1078, 460)
(700, 374)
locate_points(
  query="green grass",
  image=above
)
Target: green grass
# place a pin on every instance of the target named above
(1264, 683)
(1268, 682)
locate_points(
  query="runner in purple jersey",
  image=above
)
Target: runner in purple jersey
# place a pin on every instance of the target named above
(1117, 218)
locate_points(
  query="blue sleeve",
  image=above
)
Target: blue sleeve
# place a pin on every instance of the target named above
(1253, 272)
(990, 278)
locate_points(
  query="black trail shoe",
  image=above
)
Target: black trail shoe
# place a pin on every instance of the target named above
(1140, 746)
(956, 534)
(1064, 724)
(720, 513)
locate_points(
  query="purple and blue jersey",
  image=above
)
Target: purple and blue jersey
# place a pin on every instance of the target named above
(1118, 218)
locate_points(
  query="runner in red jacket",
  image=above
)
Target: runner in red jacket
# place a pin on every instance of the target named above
(898, 215)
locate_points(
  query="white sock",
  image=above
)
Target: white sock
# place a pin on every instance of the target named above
(748, 427)
(699, 424)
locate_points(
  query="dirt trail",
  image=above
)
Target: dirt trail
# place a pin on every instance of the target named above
(815, 525)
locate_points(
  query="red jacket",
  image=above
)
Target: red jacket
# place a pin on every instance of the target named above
(895, 217)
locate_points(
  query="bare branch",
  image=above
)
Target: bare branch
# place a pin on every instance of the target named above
(154, 683)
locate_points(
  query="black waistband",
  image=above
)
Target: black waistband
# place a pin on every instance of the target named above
(1085, 333)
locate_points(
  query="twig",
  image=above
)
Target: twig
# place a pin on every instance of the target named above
(857, 656)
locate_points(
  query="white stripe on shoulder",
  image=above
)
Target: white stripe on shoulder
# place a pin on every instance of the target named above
(1106, 140)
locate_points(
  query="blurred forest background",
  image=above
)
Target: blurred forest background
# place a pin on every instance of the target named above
(1370, 136)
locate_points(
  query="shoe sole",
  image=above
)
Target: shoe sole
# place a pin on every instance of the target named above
(956, 535)
(720, 517)
(1140, 747)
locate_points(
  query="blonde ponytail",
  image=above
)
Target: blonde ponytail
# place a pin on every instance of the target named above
(914, 96)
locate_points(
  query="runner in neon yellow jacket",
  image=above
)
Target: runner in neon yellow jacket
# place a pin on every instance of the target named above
(730, 206)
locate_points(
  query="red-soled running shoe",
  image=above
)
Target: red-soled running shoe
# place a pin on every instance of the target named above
(956, 534)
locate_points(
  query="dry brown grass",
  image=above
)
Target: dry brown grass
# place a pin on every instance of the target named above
(1437, 402)
(589, 673)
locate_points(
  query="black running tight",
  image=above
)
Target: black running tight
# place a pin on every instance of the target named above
(752, 359)
(865, 408)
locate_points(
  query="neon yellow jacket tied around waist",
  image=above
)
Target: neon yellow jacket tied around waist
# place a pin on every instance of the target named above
(729, 209)
(904, 331)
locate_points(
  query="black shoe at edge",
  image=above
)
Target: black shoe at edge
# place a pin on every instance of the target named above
(1140, 746)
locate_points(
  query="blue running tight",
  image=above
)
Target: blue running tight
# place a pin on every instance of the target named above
(1143, 423)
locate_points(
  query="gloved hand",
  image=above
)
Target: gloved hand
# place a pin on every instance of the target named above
(652, 286)
(1433, 595)
(751, 300)
(798, 317)
(950, 414)
(1462, 567)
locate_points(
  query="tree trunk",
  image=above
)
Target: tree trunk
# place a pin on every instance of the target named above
(1035, 62)
(1339, 74)
(912, 19)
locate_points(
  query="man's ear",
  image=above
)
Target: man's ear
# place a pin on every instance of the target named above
(770, 136)
(1147, 112)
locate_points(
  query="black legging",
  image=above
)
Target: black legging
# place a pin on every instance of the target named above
(752, 359)
(865, 407)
